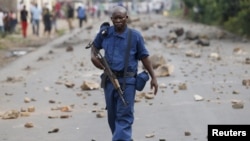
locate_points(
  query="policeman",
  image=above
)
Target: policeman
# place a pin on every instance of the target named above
(115, 44)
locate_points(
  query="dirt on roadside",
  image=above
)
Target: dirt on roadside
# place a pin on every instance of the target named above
(14, 46)
(15, 41)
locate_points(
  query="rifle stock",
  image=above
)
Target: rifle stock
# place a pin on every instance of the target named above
(110, 74)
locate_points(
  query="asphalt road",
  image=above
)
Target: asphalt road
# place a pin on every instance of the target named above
(40, 75)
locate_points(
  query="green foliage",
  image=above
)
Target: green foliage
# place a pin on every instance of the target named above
(240, 23)
(232, 15)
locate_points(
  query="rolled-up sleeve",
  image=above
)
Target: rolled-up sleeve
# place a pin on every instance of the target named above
(142, 50)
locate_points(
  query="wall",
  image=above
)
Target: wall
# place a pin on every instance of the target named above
(8, 5)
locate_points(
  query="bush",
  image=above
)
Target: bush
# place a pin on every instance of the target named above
(232, 15)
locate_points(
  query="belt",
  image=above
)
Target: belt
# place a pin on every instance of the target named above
(121, 74)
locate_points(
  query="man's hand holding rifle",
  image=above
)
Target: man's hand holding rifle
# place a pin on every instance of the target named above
(100, 62)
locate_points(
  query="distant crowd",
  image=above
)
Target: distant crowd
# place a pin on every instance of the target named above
(35, 15)
(8, 21)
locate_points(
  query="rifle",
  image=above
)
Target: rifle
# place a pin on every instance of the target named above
(110, 74)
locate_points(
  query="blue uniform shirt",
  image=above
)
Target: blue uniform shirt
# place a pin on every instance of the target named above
(115, 46)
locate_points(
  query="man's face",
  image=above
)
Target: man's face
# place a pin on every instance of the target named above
(119, 20)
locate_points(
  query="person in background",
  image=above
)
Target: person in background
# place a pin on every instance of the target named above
(70, 15)
(57, 9)
(7, 20)
(54, 18)
(36, 17)
(1, 22)
(92, 11)
(13, 22)
(81, 15)
(47, 20)
(98, 10)
(24, 21)
(114, 44)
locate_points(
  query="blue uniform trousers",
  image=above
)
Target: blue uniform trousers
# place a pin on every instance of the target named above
(120, 117)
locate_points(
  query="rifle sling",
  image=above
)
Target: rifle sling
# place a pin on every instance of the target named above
(126, 58)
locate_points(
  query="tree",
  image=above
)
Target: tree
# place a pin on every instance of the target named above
(233, 15)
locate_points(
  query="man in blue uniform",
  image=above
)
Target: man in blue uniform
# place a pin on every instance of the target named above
(115, 43)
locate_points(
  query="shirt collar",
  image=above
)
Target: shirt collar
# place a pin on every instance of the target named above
(123, 35)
